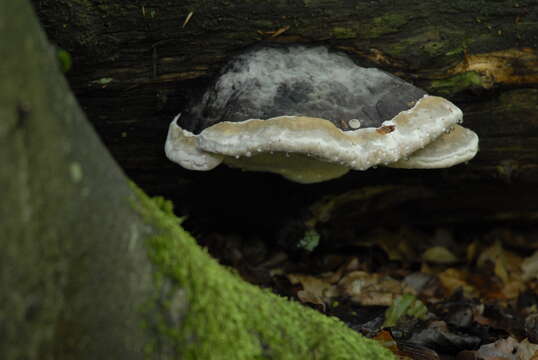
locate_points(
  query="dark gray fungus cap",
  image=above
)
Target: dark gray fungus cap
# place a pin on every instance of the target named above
(312, 115)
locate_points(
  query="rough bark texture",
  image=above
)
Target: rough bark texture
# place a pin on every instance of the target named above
(136, 64)
(67, 220)
(90, 268)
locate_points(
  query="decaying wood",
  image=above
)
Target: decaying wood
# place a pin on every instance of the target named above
(137, 65)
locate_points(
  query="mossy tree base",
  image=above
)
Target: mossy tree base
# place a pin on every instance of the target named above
(207, 312)
(90, 268)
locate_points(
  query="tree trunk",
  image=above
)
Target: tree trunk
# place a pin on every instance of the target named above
(137, 64)
(90, 268)
(74, 264)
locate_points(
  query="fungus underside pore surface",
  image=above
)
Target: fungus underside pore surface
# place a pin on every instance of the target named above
(226, 318)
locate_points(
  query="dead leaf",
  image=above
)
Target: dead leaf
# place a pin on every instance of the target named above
(495, 255)
(472, 251)
(507, 267)
(309, 297)
(439, 255)
(315, 290)
(372, 289)
(508, 349)
(527, 350)
(529, 266)
(454, 279)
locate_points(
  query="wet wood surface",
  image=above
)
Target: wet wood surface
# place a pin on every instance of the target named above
(136, 65)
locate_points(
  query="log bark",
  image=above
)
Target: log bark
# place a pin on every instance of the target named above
(90, 268)
(136, 65)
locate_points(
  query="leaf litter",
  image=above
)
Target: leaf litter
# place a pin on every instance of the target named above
(423, 294)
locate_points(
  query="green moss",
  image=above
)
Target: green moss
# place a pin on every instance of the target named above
(343, 32)
(405, 306)
(434, 48)
(164, 205)
(414, 44)
(207, 312)
(457, 83)
(84, 3)
(320, 3)
(64, 59)
(429, 43)
(263, 24)
(393, 20)
(309, 241)
(456, 51)
(384, 25)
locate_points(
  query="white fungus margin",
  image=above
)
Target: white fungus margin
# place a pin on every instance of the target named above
(306, 149)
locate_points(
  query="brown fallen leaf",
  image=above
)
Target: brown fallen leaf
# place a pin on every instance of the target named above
(454, 279)
(372, 289)
(509, 349)
(439, 255)
(507, 267)
(417, 352)
(529, 266)
(505, 262)
(315, 290)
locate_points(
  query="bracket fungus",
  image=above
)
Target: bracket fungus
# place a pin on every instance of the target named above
(311, 115)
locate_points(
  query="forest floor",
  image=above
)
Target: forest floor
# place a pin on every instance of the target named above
(426, 294)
